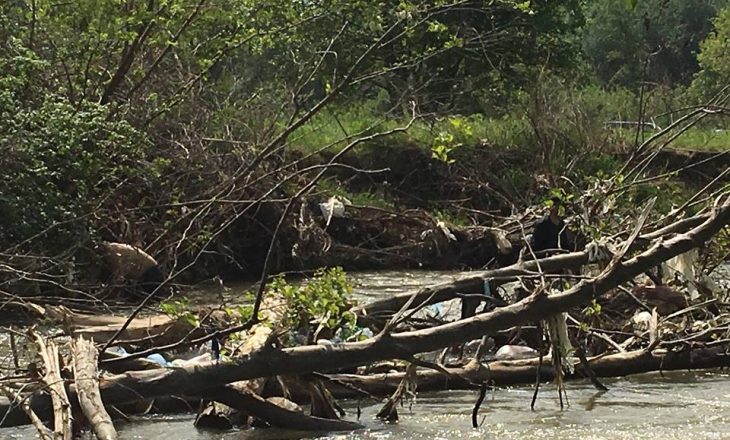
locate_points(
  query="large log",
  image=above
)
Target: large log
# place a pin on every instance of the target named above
(85, 357)
(56, 388)
(269, 361)
(502, 373)
(274, 414)
(152, 330)
(474, 282)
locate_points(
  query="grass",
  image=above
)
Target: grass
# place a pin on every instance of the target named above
(333, 127)
(697, 139)
(704, 139)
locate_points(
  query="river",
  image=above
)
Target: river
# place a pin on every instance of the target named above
(647, 406)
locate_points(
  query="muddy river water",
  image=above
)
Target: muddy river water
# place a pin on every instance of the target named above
(679, 405)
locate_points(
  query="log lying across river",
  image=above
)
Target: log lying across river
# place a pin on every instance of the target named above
(474, 283)
(502, 373)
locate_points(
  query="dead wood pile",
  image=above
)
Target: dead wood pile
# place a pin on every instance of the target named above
(624, 324)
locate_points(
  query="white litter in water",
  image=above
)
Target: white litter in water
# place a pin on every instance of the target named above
(507, 352)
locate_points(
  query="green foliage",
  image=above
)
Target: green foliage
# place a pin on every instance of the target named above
(593, 310)
(323, 299)
(180, 309)
(659, 37)
(118, 118)
(447, 141)
(59, 160)
(714, 58)
(696, 138)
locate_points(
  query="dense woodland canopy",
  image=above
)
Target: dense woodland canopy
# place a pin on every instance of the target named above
(183, 126)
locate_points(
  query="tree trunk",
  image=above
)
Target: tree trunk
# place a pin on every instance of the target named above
(502, 373)
(85, 358)
(474, 283)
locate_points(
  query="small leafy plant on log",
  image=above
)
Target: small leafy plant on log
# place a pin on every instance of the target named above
(320, 306)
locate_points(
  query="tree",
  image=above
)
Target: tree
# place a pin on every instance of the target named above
(130, 121)
(660, 37)
(714, 58)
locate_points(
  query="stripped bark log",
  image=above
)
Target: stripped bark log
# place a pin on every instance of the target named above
(85, 357)
(55, 385)
(267, 362)
(153, 330)
(149, 331)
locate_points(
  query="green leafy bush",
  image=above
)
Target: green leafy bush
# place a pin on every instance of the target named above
(323, 300)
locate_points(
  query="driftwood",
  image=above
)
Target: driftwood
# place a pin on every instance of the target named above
(55, 385)
(323, 405)
(389, 411)
(200, 379)
(474, 283)
(236, 401)
(85, 357)
(276, 415)
(218, 415)
(515, 372)
(150, 330)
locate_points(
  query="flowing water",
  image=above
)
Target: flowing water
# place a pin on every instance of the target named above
(647, 406)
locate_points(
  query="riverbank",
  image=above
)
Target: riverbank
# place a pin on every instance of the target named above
(417, 212)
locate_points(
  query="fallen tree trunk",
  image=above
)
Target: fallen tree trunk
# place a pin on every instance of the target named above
(502, 373)
(194, 381)
(474, 283)
(56, 388)
(85, 357)
(274, 414)
(149, 331)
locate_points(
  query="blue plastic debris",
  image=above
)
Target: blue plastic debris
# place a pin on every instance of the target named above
(158, 358)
